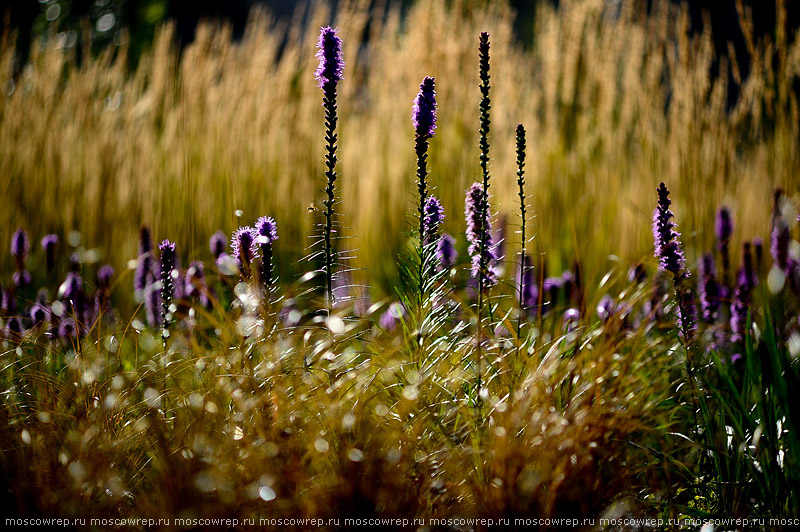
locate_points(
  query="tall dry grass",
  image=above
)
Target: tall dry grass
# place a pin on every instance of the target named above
(612, 106)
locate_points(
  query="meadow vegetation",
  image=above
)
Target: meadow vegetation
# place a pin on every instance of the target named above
(251, 382)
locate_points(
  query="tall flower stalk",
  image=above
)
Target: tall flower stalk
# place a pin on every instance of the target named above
(423, 118)
(328, 74)
(524, 263)
(669, 252)
(483, 144)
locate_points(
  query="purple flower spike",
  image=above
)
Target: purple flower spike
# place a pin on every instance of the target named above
(218, 243)
(67, 329)
(71, 291)
(723, 225)
(104, 275)
(570, 319)
(708, 288)
(267, 230)
(779, 243)
(605, 308)
(742, 297)
(14, 329)
(446, 251)
(433, 218)
(20, 245)
(244, 245)
(423, 114)
(747, 273)
(144, 265)
(145, 240)
(329, 53)
(666, 239)
(478, 235)
(39, 314)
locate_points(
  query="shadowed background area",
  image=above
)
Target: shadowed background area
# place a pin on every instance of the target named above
(182, 131)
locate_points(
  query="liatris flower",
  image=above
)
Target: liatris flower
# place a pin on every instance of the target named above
(779, 243)
(446, 251)
(671, 258)
(331, 60)
(723, 228)
(605, 308)
(104, 275)
(39, 314)
(8, 302)
(67, 329)
(20, 246)
(667, 246)
(167, 249)
(570, 319)
(485, 104)
(144, 264)
(217, 243)
(423, 114)
(329, 73)
(430, 213)
(71, 292)
(49, 243)
(432, 219)
(478, 230)
(14, 329)
(740, 307)
(244, 246)
(708, 288)
(747, 273)
(267, 231)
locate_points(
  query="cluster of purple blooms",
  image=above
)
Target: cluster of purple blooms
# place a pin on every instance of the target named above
(73, 311)
(725, 308)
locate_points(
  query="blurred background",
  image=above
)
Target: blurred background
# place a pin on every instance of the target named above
(193, 116)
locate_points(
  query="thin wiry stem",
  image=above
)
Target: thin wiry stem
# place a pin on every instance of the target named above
(483, 144)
